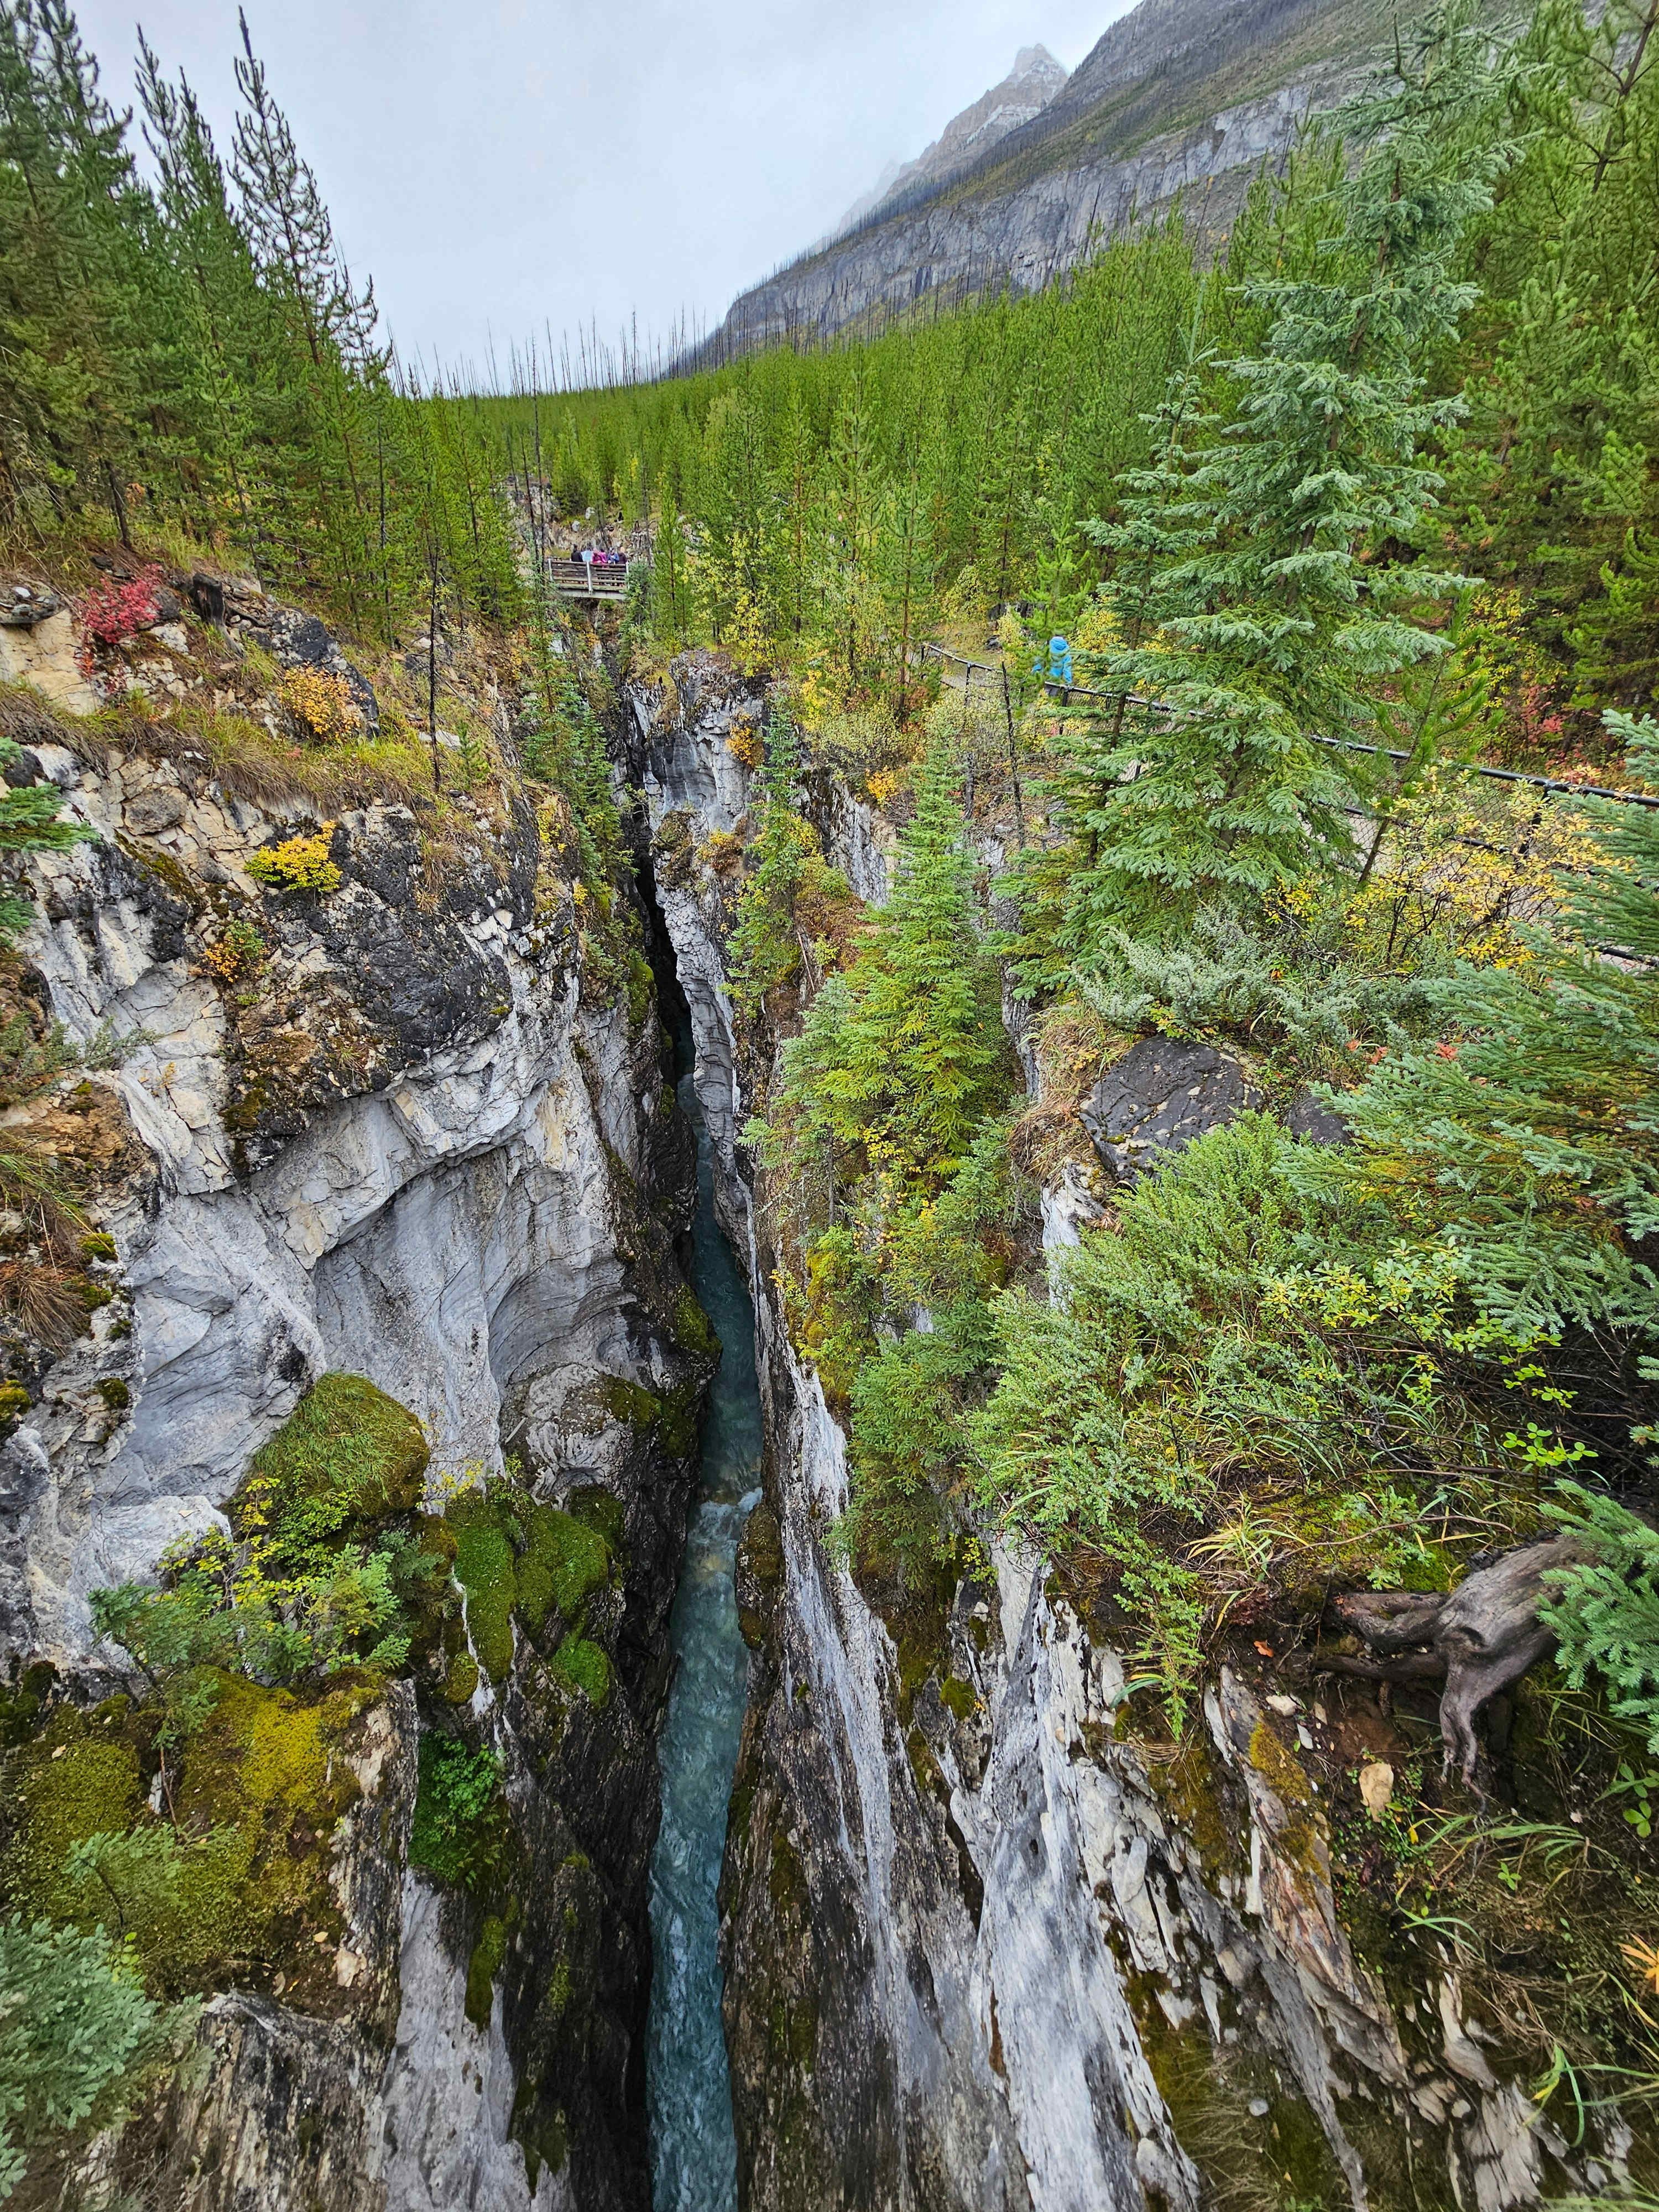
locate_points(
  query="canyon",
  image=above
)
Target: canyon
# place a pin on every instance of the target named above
(978, 1946)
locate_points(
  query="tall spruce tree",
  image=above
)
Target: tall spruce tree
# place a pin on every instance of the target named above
(1248, 584)
(902, 1053)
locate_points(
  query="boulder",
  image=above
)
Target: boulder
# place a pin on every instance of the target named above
(1314, 1121)
(1159, 1097)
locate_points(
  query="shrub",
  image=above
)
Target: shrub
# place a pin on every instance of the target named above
(459, 1815)
(1251, 1340)
(297, 864)
(74, 2021)
(238, 954)
(746, 745)
(320, 705)
(113, 611)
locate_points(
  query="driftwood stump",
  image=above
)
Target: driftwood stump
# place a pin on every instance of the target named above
(1482, 1636)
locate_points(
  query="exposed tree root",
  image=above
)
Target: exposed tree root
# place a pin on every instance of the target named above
(1483, 1637)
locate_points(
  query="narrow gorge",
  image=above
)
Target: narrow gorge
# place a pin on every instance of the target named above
(432, 1221)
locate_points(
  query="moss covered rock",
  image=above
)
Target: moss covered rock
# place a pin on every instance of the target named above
(581, 1665)
(347, 1455)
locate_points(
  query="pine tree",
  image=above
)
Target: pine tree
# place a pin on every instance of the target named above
(75, 314)
(903, 1054)
(1257, 614)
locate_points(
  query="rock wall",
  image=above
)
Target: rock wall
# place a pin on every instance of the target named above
(984, 1949)
(406, 1140)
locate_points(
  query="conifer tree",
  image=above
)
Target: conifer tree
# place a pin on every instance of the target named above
(1257, 614)
(902, 1053)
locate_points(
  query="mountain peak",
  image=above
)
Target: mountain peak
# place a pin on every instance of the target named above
(1033, 82)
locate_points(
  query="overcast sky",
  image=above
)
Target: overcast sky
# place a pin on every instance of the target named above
(513, 163)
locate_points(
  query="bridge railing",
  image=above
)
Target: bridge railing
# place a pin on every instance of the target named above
(582, 578)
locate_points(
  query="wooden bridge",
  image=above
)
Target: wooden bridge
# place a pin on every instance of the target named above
(589, 580)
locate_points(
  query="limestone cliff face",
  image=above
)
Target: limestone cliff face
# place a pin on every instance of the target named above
(984, 1949)
(411, 1140)
(1036, 79)
(1180, 99)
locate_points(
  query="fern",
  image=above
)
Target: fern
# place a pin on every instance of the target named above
(73, 2020)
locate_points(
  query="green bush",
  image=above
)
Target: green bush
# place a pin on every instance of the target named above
(460, 1814)
(1250, 1332)
(74, 2024)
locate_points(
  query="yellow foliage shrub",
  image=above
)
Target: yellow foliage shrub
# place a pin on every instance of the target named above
(236, 954)
(298, 863)
(746, 745)
(320, 705)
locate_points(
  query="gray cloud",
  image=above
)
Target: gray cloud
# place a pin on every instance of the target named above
(521, 163)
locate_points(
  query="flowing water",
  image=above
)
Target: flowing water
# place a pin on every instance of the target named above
(688, 2089)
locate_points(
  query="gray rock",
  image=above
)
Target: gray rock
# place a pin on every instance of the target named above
(1159, 1097)
(152, 812)
(1311, 1120)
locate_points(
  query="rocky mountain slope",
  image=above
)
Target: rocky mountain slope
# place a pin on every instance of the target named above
(1036, 79)
(1179, 98)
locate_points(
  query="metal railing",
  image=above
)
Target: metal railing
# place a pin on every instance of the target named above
(1067, 691)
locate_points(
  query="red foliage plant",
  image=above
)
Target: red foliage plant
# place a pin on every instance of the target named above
(111, 611)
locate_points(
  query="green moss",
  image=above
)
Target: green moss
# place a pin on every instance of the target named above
(114, 1393)
(564, 1562)
(346, 1454)
(482, 1968)
(97, 1247)
(581, 1665)
(14, 1401)
(1191, 1789)
(641, 990)
(680, 1412)
(243, 1884)
(461, 1680)
(786, 1878)
(596, 1507)
(66, 1785)
(485, 1569)
(628, 1401)
(1281, 1772)
(957, 1698)
(693, 1329)
(22, 1703)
